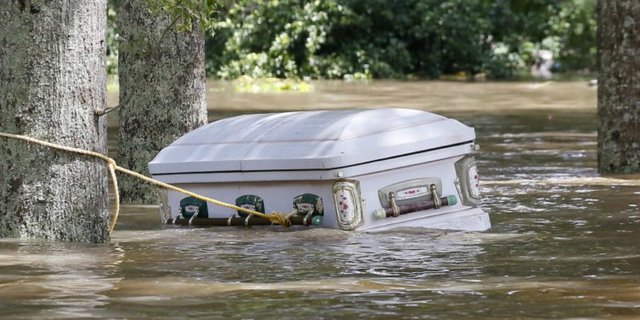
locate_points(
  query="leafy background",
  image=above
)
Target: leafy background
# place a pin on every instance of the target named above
(362, 39)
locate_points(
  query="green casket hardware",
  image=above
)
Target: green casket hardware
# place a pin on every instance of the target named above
(308, 210)
(310, 207)
(251, 202)
(190, 206)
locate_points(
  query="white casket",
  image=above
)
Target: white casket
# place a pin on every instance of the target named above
(369, 170)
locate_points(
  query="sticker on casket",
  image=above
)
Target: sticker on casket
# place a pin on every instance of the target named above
(190, 206)
(250, 202)
(412, 193)
(308, 203)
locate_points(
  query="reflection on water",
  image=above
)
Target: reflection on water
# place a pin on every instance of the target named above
(563, 245)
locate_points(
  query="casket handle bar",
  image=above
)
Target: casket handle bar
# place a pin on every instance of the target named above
(395, 210)
(242, 222)
(235, 220)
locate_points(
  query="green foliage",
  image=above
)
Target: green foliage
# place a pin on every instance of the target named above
(271, 38)
(349, 38)
(396, 39)
(503, 63)
(366, 38)
(362, 39)
(451, 36)
(112, 39)
(566, 28)
(575, 28)
(184, 14)
(270, 85)
(188, 14)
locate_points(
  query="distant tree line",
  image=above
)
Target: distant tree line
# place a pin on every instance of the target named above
(399, 39)
(392, 39)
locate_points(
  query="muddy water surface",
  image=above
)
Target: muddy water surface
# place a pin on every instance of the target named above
(564, 243)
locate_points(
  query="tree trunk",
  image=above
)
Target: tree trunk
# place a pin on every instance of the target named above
(162, 90)
(52, 80)
(619, 86)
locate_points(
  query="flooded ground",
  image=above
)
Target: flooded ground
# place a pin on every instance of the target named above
(564, 242)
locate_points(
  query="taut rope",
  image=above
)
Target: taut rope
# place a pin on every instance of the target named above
(112, 166)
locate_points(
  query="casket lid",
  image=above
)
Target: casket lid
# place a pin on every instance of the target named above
(308, 140)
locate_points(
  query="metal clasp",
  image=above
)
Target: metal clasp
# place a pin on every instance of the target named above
(394, 205)
(229, 219)
(178, 216)
(437, 204)
(195, 214)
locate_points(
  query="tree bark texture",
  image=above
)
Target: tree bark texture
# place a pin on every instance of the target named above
(619, 86)
(162, 90)
(52, 81)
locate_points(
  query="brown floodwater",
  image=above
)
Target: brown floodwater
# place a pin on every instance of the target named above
(564, 242)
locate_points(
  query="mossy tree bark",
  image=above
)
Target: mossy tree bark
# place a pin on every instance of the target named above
(162, 89)
(619, 86)
(52, 81)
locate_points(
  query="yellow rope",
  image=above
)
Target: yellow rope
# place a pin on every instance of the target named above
(274, 217)
(112, 166)
(116, 194)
